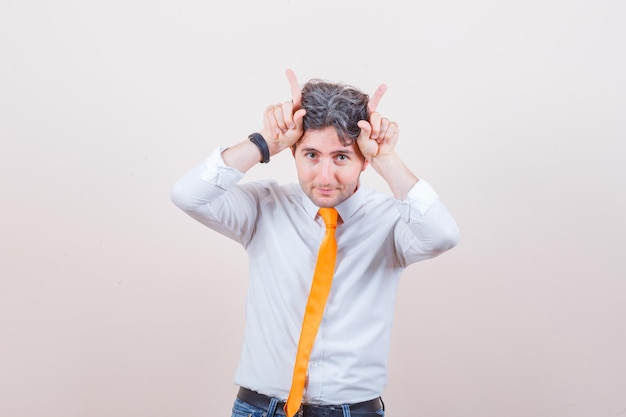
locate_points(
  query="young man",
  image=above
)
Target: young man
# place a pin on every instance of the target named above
(334, 133)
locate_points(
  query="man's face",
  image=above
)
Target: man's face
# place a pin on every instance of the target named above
(327, 170)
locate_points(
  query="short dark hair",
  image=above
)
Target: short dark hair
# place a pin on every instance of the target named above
(334, 104)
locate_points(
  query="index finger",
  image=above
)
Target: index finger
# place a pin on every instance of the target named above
(296, 92)
(375, 99)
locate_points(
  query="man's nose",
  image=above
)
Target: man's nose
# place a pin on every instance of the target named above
(326, 171)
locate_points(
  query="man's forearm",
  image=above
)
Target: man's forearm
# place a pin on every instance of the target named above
(247, 154)
(395, 172)
(242, 156)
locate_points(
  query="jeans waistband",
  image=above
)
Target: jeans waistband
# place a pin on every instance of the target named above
(263, 401)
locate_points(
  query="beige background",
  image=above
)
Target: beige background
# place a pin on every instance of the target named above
(115, 304)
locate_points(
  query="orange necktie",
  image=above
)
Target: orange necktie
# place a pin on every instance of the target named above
(320, 287)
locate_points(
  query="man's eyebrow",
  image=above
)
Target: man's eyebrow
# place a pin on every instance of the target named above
(346, 150)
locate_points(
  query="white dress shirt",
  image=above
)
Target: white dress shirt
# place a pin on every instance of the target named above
(377, 237)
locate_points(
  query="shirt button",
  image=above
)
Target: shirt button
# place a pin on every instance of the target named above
(314, 364)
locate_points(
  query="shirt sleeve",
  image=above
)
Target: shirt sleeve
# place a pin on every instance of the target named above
(217, 172)
(421, 197)
(210, 194)
(428, 229)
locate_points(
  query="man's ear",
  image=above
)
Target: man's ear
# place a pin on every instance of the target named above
(365, 164)
(293, 150)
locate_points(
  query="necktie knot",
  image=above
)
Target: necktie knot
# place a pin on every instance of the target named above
(330, 215)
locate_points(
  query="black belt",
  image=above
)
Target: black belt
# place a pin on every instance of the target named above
(263, 401)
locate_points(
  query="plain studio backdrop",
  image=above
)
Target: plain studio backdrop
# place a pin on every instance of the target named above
(113, 303)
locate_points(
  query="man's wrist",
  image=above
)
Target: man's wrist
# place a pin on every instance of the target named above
(387, 158)
(274, 145)
(261, 143)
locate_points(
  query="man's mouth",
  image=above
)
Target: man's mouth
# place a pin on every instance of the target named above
(325, 191)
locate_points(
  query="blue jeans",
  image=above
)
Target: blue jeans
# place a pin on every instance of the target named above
(243, 409)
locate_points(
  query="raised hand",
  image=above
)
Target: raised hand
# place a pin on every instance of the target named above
(282, 122)
(379, 135)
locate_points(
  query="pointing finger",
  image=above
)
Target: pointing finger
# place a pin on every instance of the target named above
(375, 99)
(296, 92)
(375, 123)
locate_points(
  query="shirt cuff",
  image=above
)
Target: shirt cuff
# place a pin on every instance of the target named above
(421, 197)
(217, 172)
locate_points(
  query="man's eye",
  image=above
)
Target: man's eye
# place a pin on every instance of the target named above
(342, 157)
(310, 155)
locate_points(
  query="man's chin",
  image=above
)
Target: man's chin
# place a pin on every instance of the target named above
(324, 200)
